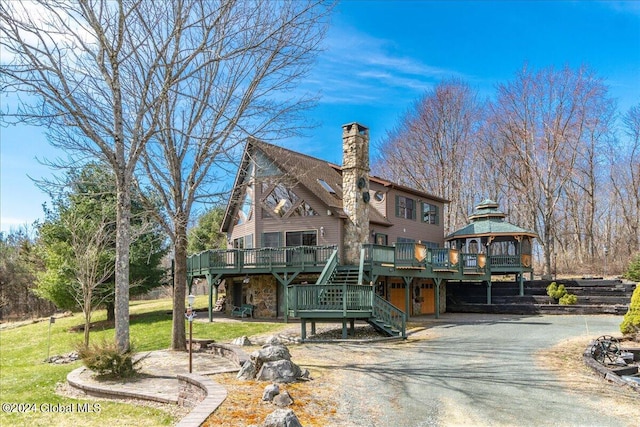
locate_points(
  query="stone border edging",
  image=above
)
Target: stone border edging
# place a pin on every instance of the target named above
(73, 378)
(232, 352)
(215, 394)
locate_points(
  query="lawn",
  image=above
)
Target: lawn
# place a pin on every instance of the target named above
(27, 383)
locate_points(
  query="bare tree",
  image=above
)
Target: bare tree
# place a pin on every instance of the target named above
(93, 71)
(537, 130)
(433, 147)
(248, 57)
(625, 179)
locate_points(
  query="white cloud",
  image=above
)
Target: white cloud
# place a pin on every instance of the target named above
(357, 68)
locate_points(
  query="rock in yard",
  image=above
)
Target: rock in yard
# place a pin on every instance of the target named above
(270, 353)
(283, 400)
(248, 371)
(270, 391)
(272, 340)
(281, 371)
(241, 341)
(282, 418)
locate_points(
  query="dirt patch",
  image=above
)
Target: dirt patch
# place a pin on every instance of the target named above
(565, 360)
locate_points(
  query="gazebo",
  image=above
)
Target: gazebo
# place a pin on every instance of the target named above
(506, 247)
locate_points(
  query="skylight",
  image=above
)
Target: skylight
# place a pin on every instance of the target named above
(326, 186)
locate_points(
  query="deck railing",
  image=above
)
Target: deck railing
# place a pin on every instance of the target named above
(290, 256)
(334, 297)
(504, 260)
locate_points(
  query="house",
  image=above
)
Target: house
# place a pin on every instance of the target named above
(316, 240)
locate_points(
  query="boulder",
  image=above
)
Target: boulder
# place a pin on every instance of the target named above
(280, 371)
(270, 391)
(282, 418)
(272, 340)
(241, 341)
(248, 371)
(283, 399)
(271, 352)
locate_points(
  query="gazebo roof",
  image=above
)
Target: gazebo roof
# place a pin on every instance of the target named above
(488, 220)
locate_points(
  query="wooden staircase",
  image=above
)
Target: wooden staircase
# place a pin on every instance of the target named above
(339, 295)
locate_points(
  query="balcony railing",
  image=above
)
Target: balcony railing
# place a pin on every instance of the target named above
(235, 259)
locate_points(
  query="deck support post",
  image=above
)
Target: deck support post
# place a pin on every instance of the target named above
(213, 291)
(313, 327)
(353, 327)
(303, 329)
(521, 283)
(407, 295)
(489, 292)
(438, 281)
(344, 328)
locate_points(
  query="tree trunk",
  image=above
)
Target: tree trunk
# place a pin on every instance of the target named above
(178, 338)
(123, 241)
(111, 312)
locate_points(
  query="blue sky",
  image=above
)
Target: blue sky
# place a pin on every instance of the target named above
(381, 56)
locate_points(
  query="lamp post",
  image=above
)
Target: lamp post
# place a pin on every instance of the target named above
(190, 315)
(606, 251)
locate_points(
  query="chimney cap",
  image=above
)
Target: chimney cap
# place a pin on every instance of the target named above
(361, 129)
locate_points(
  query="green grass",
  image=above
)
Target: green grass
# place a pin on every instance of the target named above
(26, 379)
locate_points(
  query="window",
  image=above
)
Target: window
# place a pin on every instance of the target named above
(245, 242)
(326, 186)
(381, 239)
(280, 200)
(302, 238)
(271, 240)
(378, 196)
(303, 209)
(405, 240)
(245, 213)
(429, 213)
(405, 207)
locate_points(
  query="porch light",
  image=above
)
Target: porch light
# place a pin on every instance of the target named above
(246, 279)
(321, 231)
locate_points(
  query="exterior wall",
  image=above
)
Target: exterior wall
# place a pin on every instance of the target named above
(408, 228)
(330, 224)
(261, 291)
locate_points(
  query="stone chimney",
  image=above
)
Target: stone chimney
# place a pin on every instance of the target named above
(355, 190)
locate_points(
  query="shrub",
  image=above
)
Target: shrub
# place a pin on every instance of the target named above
(556, 292)
(633, 270)
(105, 359)
(568, 299)
(631, 322)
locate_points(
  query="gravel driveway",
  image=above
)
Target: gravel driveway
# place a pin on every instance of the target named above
(477, 370)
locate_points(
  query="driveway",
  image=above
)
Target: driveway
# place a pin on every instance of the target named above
(479, 370)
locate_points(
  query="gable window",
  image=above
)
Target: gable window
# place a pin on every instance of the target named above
(429, 213)
(303, 209)
(302, 238)
(405, 207)
(245, 213)
(280, 200)
(381, 239)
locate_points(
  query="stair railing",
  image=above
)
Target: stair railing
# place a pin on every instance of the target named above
(389, 314)
(328, 269)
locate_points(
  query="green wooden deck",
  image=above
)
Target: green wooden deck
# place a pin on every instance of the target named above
(327, 300)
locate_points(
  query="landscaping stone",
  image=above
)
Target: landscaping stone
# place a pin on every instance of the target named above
(283, 399)
(282, 418)
(271, 352)
(63, 359)
(281, 371)
(270, 392)
(241, 341)
(248, 371)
